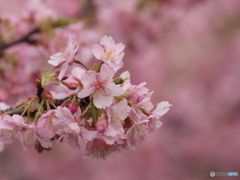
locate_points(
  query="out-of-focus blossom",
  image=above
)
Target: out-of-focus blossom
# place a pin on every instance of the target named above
(37, 10)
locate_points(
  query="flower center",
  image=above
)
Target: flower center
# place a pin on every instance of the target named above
(110, 54)
(99, 86)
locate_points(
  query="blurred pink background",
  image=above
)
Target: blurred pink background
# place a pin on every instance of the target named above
(188, 52)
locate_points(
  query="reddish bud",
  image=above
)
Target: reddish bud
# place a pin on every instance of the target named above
(73, 106)
(102, 123)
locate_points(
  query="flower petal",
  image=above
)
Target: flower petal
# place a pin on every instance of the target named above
(106, 72)
(119, 47)
(116, 90)
(101, 101)
(56, 59)
(97, 51)
(63, 70)
(107, 41)
(161, 108)
(86, 92)
(88, 78)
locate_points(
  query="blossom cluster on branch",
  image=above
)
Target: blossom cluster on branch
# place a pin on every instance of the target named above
(106, 114)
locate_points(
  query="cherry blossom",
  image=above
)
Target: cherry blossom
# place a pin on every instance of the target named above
(64, 58)
(137, 133)
(116, 116)
(101, 86)
(100, 150)
(84, 106)
(110, 52)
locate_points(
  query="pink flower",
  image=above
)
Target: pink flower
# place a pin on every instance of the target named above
(3, 106)
(44, 127)
(156, 113)
(141, 96)
(109, 52)
(101, 86)
(161, 108)
(74, 79)
(11, 127)
(38, 10)
(30, 136)
(137, 133)
(116, 116)
(100, 150)
(118, 113)
(126, 84)
(87, 135)
(64, 58)
(67, 128)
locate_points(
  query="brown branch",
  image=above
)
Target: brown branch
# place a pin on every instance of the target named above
(87, 12)
(58, 102)
(26, 38)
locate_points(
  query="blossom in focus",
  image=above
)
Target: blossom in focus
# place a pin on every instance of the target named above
(64, 58)
(107, 114)
(156, 113)
(161, 108)
(110, 52)
(116, 116)
(114, 133)
(101, 85)
(66, 127)
(11, 128)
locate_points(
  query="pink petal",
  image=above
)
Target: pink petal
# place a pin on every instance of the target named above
(78, 72)
(110, 131)
(46, 143)
(88, 78)
(88, 135)
(5, 125)
(121, 110)
(119, 48)
(74, 126)
(73, 141)
(63, 71)
(86, 92)
(29, 139)
(66, 112)
(97, 51)
(101, 101)
(115, 65)
(107, 41)
(71, 47)
(108, 139)
(116, 90)
(56, 59)
(106, 72)
(161, 108)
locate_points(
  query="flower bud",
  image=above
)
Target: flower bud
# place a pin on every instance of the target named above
(73, 106)
(102, 123)
(70, 85)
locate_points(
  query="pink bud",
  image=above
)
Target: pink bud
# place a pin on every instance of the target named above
(73, 106)
(102, 123)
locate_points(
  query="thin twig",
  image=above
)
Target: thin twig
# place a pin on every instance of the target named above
(26, 38)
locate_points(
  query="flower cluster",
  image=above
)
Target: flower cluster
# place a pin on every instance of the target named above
(104, 113)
